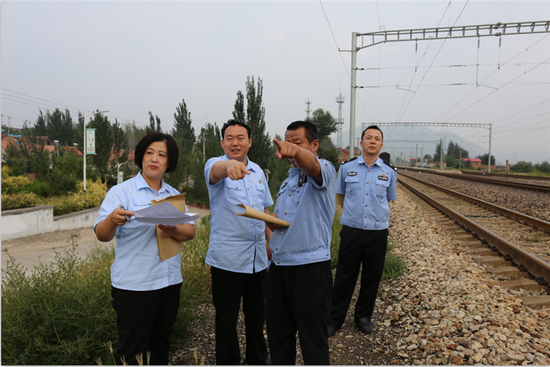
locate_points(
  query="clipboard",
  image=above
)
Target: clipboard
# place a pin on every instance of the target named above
(169, 247)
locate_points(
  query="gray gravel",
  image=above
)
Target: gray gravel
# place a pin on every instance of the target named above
(446, 310)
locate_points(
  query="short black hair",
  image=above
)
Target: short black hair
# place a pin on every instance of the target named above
(309, 127)
(171, 145)
(372, 127)
(232, 122)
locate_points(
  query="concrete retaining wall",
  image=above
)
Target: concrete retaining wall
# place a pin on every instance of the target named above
(25, 222)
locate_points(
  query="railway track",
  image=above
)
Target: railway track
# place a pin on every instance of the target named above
(512, 246)
(504, 176)
(481, 178)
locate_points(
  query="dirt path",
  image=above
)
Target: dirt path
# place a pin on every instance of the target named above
(30, 251)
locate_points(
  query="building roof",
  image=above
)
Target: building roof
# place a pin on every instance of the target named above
(478, 160)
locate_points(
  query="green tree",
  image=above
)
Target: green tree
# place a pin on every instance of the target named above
(184, 134)
(152, 126)
(255, 118)
(451, 161)
(325, 123)
(485, 158)
(456, 151)
(427, 156)
(543, 167)
(522, 167)
(40, 125)
(103, 145)
(208, 140)
(60, 127)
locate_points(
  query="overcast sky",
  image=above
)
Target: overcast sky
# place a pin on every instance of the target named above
(131, 57)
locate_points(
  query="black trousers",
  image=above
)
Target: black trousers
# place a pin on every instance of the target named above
(358, 247)
(227, 289)
(298, 299)
(145, 320)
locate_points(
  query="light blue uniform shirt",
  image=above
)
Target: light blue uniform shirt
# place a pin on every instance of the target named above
(237, 243)
(137, 265)
(367, 191)
(310, 210)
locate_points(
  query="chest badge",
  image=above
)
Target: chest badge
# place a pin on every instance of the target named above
(260, 181)
(383, 177)
(352, 173)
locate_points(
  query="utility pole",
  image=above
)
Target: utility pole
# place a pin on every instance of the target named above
(340, 100)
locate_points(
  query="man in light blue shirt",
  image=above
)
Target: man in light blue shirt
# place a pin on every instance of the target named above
(237, 253)
(366, 184)
(299, 281)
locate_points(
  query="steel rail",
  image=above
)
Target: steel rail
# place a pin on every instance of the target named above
(532, 221)
(533, 264)
(505, 176)
(517, 185)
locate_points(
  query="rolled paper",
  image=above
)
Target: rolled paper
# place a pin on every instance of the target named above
(256, 214)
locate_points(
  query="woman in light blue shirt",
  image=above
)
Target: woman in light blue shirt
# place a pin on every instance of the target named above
(145, 289)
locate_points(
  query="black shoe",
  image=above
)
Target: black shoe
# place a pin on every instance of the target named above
(331, 330)
(364, 325)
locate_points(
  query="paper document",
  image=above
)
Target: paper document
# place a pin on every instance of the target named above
(164, 213)
(256, 214)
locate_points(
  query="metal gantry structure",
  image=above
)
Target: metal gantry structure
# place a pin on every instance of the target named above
(445, 124)
(360, 41)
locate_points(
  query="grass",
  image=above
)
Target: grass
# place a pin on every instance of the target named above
(534, 238)
(394, 266)
(61, 314)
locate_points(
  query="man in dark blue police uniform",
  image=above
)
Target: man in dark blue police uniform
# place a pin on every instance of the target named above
(365, 186)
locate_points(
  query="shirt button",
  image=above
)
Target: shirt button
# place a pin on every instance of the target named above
(366, 206)
(286, 213)
(367, 193)
(281, 232)
(143, 202)
(157, 194)
(367, 181)
(289, 194)
(278, 262)
(276, 249)
(365, 216)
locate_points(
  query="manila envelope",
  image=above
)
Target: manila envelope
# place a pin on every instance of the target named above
(169, 247)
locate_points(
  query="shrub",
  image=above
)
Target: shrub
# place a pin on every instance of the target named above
(10, 182)
(39, 188)
(16, 201)
(95, 193)
(61, 314)
(335, 242)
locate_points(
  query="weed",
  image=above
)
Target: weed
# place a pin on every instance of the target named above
(534, 238)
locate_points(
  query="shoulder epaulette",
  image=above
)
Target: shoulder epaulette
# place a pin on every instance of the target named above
(349, 160)
(389, 164)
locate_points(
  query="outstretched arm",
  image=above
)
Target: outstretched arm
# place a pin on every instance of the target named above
(304, 159)
(233, 169)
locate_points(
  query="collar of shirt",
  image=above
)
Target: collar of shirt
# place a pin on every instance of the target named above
(142, 184)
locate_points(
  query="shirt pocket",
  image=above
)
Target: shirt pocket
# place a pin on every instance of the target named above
(140, 203)
(382, 188)
(235, 189)
(352, 184)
